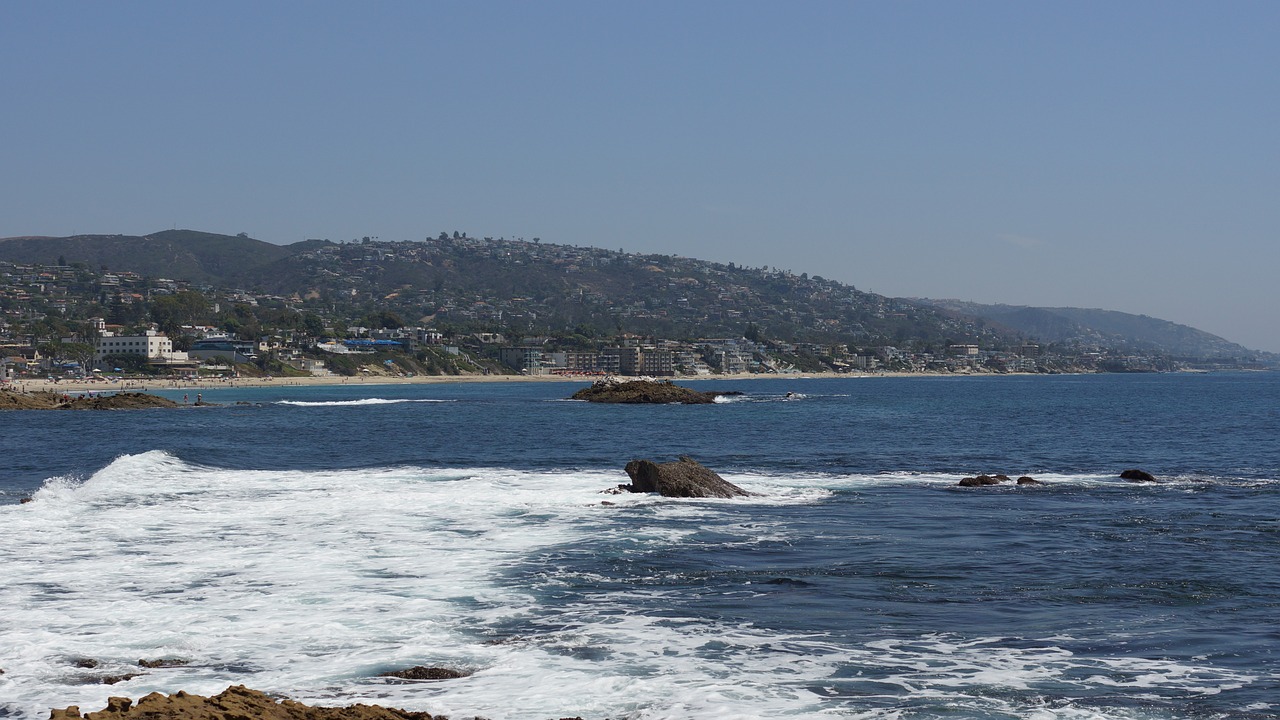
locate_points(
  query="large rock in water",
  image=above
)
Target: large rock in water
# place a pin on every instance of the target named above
(612, 390)
(1135, 475)
(45, 400)
(234, 703)
(685, 478)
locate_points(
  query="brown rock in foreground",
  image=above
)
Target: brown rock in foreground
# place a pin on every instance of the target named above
(612, 390)
(234, 703)
(686, 478)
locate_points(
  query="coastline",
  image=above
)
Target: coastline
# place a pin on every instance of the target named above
(149, 385)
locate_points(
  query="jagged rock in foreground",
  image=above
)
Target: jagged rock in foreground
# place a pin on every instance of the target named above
(58, 401)
(612, 390)
(234, 703)
(685, 478)
(1134, 475)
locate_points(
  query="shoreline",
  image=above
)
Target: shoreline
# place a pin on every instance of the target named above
(162, 384)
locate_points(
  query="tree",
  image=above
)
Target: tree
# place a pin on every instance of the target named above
(313, 325)
(171, 312)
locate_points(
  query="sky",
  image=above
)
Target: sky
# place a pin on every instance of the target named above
(1110, 155)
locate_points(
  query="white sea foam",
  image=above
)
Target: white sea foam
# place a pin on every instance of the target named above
(362, 401)
(309, 584)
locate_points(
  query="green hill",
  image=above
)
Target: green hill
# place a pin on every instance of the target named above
(179, 254)
(1083, 327)
(523, 287)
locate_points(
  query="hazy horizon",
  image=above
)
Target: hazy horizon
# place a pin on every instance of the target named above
(1087, 155)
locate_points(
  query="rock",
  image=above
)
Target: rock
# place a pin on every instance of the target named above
(980, 481)
(79, 401)
(1134, 475)
(612, 390)
(162, 663)
(1024, 480)
(234, 703)
(684, 478)
(418, 672)
(1001, 478)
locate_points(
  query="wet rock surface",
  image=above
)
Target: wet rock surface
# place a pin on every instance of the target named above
(685, 478)
(234, 703)
(418, 672)
(44, 400)
(612, 390)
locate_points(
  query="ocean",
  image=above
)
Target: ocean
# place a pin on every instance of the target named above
(304, 540)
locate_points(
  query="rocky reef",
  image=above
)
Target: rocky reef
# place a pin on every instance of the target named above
(985, 480)
(45, 400)
(235, 703)
(613, 390)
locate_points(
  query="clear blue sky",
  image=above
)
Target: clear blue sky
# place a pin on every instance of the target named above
(1095, 154)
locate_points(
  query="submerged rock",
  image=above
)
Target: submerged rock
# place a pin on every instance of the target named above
(234, 703)
(1025, 480)
(419, 672)
(163, 663)
(613, 390)
(686, 478)
(1135, 475)
(980, 481)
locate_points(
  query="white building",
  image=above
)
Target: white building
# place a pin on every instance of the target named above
(153, 345)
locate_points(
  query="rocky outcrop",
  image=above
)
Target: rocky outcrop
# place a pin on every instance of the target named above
(419, 672)
(986, 480)
(1134, 475)
(234, 703)
(43, 400)
(685, 478)
(613, 390)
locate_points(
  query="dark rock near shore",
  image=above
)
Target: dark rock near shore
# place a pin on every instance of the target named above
(1134, 475)
(612, 390)
(419, 672)
(685, 478)
(43, 400)
(1025, 480)
(234, 703)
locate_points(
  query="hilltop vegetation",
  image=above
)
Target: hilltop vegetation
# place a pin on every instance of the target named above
(459, 283)
(1101, 328)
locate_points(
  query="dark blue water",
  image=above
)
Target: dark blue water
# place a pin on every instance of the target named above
(1201, 426)
(1085, 597)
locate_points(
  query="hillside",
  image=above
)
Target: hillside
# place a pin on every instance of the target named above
(178, 254)
(1102, 328)
(520, 287)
